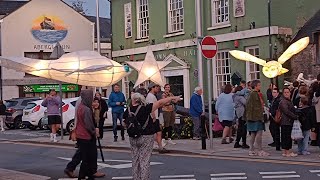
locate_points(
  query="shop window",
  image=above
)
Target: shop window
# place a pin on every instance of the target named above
(142, 19)
(220, 12)
(175, 16)
(223, 70)
(253, 69)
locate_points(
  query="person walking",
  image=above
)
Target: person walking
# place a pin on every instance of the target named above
(86, 133)
(307, 118)
(226, 113)
(117, 102)
(273, 126)
(141, 147)
(196, 111)
(103, 109)
(239, 105)
(255, 120)
(169, 115)
(52, 102)
(151, 98)
(287, 119)
(3, 109)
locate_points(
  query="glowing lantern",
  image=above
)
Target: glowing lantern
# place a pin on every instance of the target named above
(273, 68)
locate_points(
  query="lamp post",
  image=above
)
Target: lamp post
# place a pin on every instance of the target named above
(269, 30)
(275, 48)
(98, 27)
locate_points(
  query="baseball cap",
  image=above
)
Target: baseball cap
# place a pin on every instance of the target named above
(152, 85)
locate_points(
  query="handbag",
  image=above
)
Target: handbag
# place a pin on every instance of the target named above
(296, 132)
(278, 116)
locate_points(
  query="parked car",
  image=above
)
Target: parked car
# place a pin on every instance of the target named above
(14, 111)
(69, 111)
(32, 115)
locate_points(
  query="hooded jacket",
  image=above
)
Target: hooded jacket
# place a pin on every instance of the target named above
(239, 104)
(85, 128)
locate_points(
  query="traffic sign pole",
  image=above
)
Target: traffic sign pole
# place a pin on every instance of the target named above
(209, 49)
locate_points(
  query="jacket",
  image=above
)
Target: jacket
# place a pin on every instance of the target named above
(254, 110)
(239, 104)
(113, 99)
(85, 128)
(307, 117)
(225, 107)
(103, 108)
(195, 105)
(3, 109)
(287, 112)
(274, 106)
(52, 104)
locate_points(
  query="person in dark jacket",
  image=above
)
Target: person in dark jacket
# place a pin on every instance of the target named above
(269, 93)
(307, 118)
(196, 111)
(275, 127)
(86, 133)
(2, 115)
(287, 118)
(103, 113)
(117, 102)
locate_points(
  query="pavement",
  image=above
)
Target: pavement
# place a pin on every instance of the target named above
(188, 147)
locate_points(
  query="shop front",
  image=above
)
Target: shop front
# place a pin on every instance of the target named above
(41, 90)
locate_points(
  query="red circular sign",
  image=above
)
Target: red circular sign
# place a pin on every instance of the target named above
(209, 47)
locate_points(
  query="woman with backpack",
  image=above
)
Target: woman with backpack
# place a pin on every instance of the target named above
(141, 132)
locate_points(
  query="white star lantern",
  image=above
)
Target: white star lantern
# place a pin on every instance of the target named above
(149, 69)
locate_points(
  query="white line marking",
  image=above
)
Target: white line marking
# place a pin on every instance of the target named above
(208, 47)
(277, 172)
(125, 177)
(68, 179)
(280, 176)
(314, 171)
(228, 174)
(178, 176)
(228, 178)
(318, 174)
(178, 179)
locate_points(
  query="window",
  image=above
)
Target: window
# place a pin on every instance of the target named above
(220, 12)
(175, 15)
(142, 19)
(253, 69)
(223, 70)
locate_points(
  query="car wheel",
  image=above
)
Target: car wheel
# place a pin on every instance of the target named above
(70, 126)
(18, 123)
(32, 127)
(10, 126)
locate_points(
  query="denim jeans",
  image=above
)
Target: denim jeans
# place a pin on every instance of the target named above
(303, 143)
(115, 117)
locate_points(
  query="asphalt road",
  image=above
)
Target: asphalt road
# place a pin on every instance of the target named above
(49, 161)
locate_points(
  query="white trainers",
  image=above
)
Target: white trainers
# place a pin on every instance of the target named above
(171, 142)
(51, 137)
(155, 146)
(55, 138)
(163, 143)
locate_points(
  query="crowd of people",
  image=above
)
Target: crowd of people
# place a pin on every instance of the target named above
(244, 107)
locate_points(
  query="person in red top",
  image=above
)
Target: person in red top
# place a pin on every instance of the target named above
(86, 132)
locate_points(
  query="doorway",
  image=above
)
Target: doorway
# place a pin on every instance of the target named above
(176, 84)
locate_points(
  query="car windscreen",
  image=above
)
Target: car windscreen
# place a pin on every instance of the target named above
(10, 103)
(30, 106)
(73, 103)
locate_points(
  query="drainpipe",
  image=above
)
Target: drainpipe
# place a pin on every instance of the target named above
(98, 27)
(1, 88)
(199, 35)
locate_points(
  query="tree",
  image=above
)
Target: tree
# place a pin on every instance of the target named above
(78, 6)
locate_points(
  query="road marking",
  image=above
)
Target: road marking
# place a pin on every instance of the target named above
(68, 179)
(314, 171)
(228, 174)
(277, 172)
(228, 178)
(280, 176)
(178, 179)
(125, 177)
(177, 176)
(17, 175)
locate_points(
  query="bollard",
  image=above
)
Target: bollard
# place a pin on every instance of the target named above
(203, 132)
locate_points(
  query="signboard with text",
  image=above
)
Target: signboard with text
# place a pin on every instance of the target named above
(46, 87)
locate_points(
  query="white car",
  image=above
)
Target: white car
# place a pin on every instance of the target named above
(32, 114)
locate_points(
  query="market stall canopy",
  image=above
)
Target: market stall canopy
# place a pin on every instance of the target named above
(87, 68)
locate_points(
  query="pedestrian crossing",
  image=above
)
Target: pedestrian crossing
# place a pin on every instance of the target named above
(279, 175)
(315, 171)
(228, 176)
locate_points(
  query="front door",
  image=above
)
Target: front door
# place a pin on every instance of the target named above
(176, 84)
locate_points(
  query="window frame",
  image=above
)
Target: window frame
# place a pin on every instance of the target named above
(170, 16)
(214, 22)
(147, 23)
(223, 76)
(249, 72)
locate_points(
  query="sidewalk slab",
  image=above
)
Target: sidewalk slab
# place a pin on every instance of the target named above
(6, 174)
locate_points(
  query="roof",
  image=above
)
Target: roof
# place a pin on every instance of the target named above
(7, 7)
(309, 28)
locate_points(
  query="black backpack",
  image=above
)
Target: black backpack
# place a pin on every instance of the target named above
(134, 127)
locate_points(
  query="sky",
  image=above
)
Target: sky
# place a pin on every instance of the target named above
(91, 6)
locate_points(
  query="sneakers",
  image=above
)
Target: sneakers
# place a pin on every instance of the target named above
(224, 141)
(115, 139)
(51, 137)
(171, 142)
(122, 138)
(163, 142)
(272, 144)
(2, 130)
(54, 138)
(245, 146)
(99, 175)
(163, 150)
(231, 139)
(237, 145)
(70, 174)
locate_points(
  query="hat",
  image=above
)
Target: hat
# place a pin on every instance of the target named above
(152, 85)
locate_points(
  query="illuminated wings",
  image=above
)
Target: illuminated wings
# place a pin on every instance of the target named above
(293, 49)
(247, 57)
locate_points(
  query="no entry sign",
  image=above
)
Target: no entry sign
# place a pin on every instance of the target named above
(209, 47)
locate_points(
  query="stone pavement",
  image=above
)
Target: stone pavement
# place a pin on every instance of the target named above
(193, 147)
(6, 174)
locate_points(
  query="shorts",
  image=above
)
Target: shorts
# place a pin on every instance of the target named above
(226, 123)
(54, 119)
(169, 118)
(156, 126)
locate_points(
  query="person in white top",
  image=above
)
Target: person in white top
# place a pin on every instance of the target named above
(151, 98)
